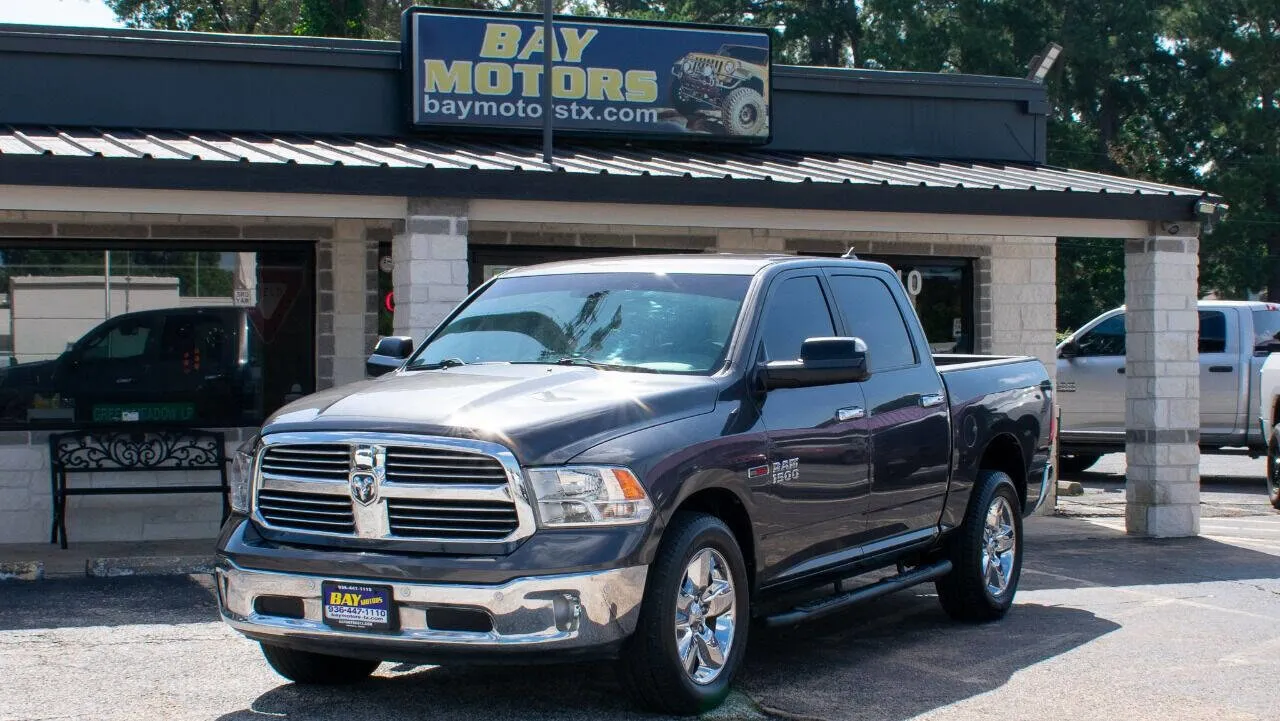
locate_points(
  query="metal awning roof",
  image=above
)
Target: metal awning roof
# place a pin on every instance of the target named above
(477, 168)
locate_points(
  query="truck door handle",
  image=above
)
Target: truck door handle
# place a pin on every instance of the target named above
(930, 400)
(1220, 369)
(123, 381)
(1120, 370)
(852, 413)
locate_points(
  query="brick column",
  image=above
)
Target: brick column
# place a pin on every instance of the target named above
(1162, 372)
(429, 269)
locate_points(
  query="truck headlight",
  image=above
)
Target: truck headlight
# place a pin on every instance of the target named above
(588, 496)
(241, 477)
(730, 67)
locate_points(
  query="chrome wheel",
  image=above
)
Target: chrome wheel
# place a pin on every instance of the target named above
(999, 546)
(705, 616)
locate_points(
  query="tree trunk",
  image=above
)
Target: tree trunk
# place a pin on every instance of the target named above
(1273, 267)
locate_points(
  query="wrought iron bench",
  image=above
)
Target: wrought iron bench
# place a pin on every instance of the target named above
(120, 450)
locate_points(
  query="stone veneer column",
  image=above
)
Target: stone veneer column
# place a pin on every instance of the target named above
(1162, 378)
(429, 265)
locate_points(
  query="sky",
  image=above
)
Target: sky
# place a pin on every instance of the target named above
(85, 13)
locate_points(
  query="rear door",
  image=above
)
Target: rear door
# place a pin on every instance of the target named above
(1091, 386)
(906, 404)
(812, 495)
(1220, 376)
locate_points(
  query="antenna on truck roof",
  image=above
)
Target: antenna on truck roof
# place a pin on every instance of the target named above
(850, 254)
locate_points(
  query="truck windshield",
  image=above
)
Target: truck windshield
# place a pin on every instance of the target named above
(651, 322)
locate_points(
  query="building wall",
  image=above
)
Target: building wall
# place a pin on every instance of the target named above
(346, 323)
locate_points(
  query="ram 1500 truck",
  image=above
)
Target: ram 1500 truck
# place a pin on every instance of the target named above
(1235, 338)
(634, 458)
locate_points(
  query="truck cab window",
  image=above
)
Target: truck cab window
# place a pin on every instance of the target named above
(125, 340)
(1106, 338)
(796, 310)
(1213, 331)
(871, 314)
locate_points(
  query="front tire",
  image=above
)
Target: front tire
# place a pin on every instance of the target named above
(317, 668)
(985, 552)
(692, 632)
(1273, 468)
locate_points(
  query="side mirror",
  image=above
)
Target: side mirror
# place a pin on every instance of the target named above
(389, 355)
(1267, 347)
(823, 361)
(1069, 350)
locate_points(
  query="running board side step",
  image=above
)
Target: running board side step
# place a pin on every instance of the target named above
(823, 606)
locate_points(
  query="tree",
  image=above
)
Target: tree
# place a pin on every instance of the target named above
(265, 17)
(1228, 51)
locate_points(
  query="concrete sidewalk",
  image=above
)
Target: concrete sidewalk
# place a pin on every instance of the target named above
(38, 561)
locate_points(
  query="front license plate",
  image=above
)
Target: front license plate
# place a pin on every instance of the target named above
(357, 606)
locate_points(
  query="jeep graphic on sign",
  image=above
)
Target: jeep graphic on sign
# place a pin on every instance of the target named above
(732, 83)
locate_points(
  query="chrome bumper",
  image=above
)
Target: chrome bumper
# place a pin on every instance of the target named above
(543, 612)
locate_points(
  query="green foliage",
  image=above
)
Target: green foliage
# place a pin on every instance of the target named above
(199, 273)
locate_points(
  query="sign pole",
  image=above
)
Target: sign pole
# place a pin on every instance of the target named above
(548, 48)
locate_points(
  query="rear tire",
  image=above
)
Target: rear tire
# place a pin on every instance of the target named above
(687, 609)
(985, 552)
(1273, 468)
(317, 668)
(1077, 462)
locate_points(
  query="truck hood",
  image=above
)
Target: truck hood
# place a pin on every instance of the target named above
(544, 414)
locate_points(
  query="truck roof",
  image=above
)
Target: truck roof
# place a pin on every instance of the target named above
(704, 263)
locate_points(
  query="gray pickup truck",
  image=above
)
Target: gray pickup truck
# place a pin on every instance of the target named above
(633, 458)
(1235, 338)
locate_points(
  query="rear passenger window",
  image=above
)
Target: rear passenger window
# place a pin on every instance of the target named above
(797, 310)
(872, 314)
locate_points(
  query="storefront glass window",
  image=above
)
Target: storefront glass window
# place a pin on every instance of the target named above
(138, 333)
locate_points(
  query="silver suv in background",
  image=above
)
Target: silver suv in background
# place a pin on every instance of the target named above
(1234, 340)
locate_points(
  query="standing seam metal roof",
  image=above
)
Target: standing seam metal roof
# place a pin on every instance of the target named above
(464, 154)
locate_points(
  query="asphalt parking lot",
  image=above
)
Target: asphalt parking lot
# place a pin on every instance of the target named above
(1104, 627)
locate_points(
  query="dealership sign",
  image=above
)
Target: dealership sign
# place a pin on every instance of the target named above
(485, 71)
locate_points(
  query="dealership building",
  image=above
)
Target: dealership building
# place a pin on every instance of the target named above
(315, 190)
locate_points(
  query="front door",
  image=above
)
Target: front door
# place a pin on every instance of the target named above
(906, 406)
(811, 498)
(1091, 386)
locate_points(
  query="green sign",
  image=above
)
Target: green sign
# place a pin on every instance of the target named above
(144, 413)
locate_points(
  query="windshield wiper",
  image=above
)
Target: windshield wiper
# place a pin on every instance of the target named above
(446, 363)
(580, 361)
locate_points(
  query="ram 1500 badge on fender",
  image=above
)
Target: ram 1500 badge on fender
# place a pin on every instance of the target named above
(632, 458)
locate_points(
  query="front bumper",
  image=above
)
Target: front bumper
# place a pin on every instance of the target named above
(573, 612)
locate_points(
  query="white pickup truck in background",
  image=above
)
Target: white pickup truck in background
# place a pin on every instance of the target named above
(1268, 417)
(1235, 339)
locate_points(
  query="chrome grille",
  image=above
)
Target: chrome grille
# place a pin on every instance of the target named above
(430, 465)
(397, 487)
(307, 511)
(717, 64)
(477, 520)
(327, 461)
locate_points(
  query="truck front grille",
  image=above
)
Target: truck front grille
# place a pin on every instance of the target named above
(477, 520)
(321, 462)
(421, 465)
(391, 486)
(307, 511)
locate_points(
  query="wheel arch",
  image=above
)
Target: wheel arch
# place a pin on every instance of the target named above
(1005, 454)
(726, 505)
